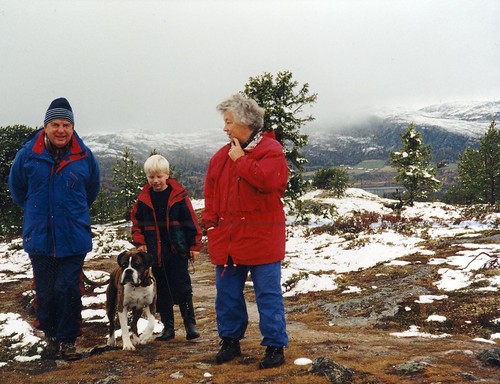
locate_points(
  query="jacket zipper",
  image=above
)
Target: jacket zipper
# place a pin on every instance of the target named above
(231, 216)
(51, 207)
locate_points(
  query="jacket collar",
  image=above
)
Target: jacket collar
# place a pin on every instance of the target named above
(75, 150)
(177, 194)
(39, 145)
(252, 142)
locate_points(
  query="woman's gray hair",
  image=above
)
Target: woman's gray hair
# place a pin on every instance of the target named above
(244, 110)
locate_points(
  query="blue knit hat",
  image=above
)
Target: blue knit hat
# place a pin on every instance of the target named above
(59, 109)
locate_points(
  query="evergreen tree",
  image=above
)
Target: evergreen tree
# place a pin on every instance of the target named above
(284, 104)
(332, 179)
(412, 163)
(103, 210)
(479, 171)
(128, 179)
(11, 139)
(489, 148)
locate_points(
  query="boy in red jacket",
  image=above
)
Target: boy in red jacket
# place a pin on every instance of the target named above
(165, 225)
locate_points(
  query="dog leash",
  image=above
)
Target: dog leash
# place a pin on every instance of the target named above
(191, 261)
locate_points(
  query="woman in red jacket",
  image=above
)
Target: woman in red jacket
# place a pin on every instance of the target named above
(245, 224)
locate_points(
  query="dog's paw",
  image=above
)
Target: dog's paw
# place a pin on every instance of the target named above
(111, 342)
(128, 347)
(144, 339)
(135, 339)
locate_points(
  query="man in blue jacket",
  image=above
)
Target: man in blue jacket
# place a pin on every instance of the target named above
(55, 179)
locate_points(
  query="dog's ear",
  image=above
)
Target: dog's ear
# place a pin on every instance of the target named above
(148, 259)
(120, 257)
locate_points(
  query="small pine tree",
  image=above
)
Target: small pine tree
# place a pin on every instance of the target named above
(479, 171)
(489, 148)
(412, 163)
(331, 179)
(284, 104)
(128, 179)
(103, 210)
(11, 139)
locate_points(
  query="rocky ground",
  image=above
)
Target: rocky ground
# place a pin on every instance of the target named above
(347, 337)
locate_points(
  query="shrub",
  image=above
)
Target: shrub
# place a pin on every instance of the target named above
(332, 179)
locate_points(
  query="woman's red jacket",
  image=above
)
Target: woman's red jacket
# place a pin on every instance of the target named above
(243, 204)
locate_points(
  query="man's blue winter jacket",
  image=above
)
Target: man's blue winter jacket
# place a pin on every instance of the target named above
(56, 198)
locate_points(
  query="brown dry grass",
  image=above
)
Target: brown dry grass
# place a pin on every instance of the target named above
(370, 351)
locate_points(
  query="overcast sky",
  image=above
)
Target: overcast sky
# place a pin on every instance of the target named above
(164, 65)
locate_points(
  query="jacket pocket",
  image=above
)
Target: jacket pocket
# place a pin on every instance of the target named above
(218, 244)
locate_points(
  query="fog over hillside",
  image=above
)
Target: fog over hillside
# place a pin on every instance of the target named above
(470, 118)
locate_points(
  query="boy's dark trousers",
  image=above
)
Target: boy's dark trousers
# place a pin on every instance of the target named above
(174, 287)
(167, 318)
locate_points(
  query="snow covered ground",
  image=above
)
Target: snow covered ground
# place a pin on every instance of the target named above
(313, 261)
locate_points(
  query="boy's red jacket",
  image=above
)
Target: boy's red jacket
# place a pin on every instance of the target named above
(243, 204)
(182, 223)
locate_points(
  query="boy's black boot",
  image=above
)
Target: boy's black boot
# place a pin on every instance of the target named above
(69, 353)
(230, 348)
(167, 318)
(51, 349)
(187, 312)
(274, 358)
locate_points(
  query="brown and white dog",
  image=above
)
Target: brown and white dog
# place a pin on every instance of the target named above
(132, 286)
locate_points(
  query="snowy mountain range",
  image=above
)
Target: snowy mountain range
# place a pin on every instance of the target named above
(140, 143)
(469, 119)
(449, 128)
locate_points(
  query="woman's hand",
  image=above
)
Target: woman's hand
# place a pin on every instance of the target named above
(235, 152)
(142, 248)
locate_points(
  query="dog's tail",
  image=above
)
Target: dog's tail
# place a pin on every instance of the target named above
(87, 281)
